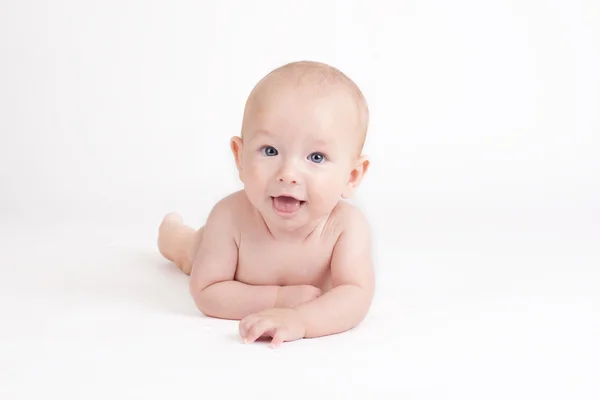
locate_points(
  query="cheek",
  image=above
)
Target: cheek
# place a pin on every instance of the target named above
(256, 173)
(328, 187)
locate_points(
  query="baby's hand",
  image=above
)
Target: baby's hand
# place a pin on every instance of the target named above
(282, 324)
(291, 296)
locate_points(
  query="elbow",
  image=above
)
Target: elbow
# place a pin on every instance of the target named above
(363, 302)
(360, 299)
(200, 293)
(202, 299)
(206, 304)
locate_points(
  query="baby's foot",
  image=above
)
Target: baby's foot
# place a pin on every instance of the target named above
(171, 217)
(167, 235)
(178, 242)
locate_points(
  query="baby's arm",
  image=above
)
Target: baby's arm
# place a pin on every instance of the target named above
(347, 303)
(212, 283)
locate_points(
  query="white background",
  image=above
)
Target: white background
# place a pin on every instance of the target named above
(484, 195)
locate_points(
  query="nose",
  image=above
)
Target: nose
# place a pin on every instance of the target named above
(287, 178)
(287, 175)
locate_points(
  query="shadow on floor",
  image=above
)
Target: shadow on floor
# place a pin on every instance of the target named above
(130, 278)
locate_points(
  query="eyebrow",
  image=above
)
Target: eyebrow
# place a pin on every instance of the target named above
(261, 132)
(319, 143)
(264, 132)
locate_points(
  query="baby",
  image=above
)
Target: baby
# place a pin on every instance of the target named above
(287, 256)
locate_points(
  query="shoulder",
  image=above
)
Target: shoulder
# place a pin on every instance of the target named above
(349, 218)
(227, 213)
(229, 206)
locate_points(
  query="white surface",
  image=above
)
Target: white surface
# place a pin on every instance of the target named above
(484, 196)
(93, 311)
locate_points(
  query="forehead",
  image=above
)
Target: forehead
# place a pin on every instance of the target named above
(321, 114)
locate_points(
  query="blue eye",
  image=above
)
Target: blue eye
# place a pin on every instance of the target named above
(317, 158)
(269, 151)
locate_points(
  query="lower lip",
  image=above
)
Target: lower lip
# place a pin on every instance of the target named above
(284, 213)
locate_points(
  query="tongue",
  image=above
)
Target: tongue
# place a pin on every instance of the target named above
(286, 204)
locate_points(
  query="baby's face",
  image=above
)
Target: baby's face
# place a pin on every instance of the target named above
(298, 154)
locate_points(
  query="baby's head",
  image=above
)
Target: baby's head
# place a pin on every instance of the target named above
(303, 131)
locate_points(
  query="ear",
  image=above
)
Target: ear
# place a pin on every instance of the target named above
(236, 148)
(356, 175)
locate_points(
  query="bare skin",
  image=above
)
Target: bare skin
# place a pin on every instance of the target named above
(179, 243)
(286, 256)
(286, 265)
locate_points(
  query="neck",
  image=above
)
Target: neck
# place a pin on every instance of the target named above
(296, 234)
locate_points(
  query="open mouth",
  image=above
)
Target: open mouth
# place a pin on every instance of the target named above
(287, 204)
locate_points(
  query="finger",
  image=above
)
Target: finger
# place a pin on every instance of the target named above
(246, 323)
(258, 329)
(278, 337)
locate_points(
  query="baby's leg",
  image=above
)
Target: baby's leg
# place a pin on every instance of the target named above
(178, 242)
